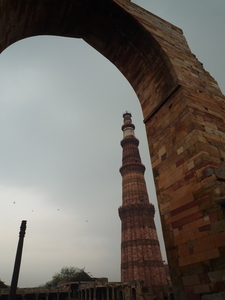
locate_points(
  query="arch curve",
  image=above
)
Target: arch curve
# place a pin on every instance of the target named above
(108, 28)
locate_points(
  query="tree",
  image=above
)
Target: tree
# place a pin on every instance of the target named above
(3, 285)
(68, 274)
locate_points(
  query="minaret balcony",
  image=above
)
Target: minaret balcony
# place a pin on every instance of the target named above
(135, 167)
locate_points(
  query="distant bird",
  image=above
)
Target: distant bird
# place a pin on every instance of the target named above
(86, 220)
(58, 209)
(14, 202)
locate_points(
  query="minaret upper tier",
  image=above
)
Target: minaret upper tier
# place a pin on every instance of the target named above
(131, 164)
(128, 127)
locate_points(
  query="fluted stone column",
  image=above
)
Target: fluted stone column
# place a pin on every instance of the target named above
(140, 251)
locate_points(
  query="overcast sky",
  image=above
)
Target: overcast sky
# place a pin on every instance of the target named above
(60, 129)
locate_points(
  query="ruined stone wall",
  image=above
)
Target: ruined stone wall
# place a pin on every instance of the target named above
(92, 290)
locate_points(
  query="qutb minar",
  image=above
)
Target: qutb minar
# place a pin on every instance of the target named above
(141, 257)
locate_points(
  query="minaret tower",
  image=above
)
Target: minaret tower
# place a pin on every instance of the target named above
(140, 251)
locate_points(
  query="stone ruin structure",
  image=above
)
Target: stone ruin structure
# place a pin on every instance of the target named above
(98, 290)
(184, 115)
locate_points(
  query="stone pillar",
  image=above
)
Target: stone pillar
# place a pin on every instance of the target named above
(15, 276)
(188, 142)
(113, 295)
(94, 296)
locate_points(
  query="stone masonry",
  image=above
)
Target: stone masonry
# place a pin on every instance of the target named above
(140, 251)
(184, 115)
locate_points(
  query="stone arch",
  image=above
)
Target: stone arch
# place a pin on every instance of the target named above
(184, 114)
(105, 26)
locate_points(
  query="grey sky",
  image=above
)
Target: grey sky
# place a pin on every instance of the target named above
(60, 130)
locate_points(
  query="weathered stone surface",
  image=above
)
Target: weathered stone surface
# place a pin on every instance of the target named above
(217, 276)
(215, 296)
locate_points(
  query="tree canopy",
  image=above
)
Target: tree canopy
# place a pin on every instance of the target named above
(68, 274)
(2, 285)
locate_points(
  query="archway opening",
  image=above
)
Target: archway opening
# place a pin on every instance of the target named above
(62, 112)
(106, 29)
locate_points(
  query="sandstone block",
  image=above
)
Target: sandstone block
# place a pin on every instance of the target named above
(191, 280)
(201, 289)
(217, 276)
